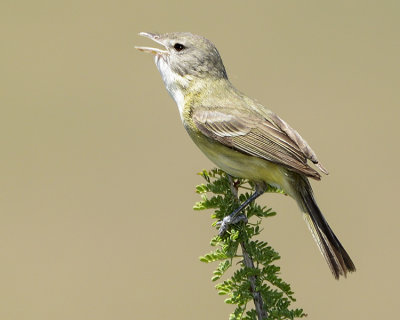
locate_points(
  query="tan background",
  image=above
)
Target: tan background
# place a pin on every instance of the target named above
(97, 172)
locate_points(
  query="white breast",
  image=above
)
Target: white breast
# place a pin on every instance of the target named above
(174, 83)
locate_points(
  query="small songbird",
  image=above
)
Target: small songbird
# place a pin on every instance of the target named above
(241, 136)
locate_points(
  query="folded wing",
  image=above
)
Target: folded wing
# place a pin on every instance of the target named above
(269, 138)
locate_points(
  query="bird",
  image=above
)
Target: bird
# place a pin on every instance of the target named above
(241, 136)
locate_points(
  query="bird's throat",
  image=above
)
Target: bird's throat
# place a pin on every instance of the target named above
(187, 89)
(175, 84)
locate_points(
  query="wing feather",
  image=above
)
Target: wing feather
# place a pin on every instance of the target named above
(256, 135)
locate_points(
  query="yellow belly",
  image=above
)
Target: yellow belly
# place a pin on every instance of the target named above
(241, 165)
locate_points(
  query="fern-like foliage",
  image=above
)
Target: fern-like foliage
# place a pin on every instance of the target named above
(276, 294)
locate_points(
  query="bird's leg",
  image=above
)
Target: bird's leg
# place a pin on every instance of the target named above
(234, 217)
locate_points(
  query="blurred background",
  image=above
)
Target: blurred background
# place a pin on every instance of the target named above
(98, 175)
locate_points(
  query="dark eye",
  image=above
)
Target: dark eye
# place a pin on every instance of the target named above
(179, 46)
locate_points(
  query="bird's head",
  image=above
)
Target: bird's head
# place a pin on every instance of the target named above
(185, 55)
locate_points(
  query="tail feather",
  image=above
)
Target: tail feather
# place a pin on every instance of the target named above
(335, 255)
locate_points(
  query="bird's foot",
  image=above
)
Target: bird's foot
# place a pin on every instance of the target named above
(229, 220)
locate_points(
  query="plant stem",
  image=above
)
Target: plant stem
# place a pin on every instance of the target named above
(248, 262)
(258, 302)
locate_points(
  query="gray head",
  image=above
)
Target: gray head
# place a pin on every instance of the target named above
(186, 55)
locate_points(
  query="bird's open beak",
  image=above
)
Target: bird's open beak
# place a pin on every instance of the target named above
(155, 37)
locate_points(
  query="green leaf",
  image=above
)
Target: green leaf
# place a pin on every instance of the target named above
(277, 296)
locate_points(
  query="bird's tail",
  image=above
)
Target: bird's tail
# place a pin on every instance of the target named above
(335, 255)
